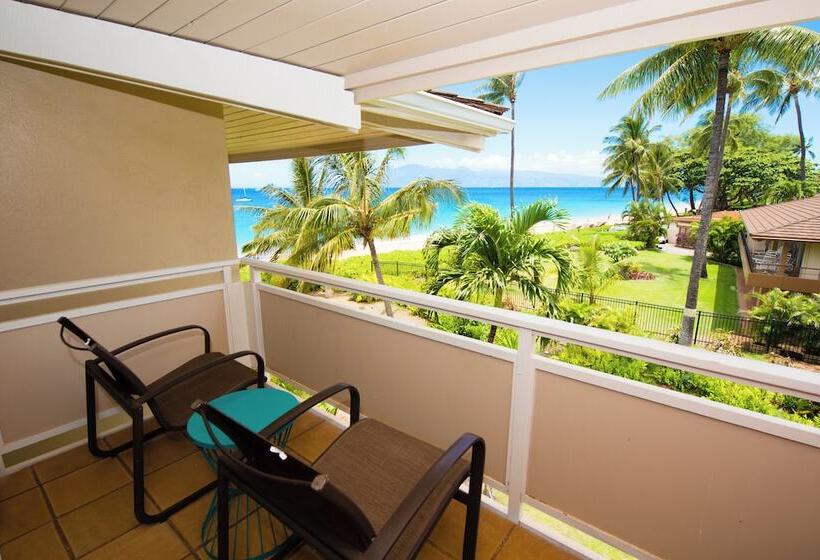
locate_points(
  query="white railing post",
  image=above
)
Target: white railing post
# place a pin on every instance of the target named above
(227, 280)
(259, 339)
(521, 410)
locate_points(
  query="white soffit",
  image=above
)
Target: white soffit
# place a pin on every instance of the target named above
(169, 63)
(404, 120)
(384, 48)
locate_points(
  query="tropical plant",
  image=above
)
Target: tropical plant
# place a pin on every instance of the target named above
(594, 271)
(787, 307)
(619, 250)
(274, 236)
(490, 255)
(504, 89)
(678, 78)
(723, 239)
(647, 222)
(358, 209)
(660, 173)
(777, 90)
(625, 149)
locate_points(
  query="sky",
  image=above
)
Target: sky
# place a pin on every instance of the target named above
(560, 125)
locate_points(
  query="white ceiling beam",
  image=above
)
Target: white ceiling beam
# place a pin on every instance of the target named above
(159, 61)
(636, 25)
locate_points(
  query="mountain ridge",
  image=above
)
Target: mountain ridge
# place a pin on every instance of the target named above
(489, 178)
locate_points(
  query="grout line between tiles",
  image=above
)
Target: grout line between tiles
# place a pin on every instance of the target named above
(60, 534)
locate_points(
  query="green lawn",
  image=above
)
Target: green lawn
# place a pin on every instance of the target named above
(717, 293)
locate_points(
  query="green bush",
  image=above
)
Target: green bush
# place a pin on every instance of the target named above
(647, 222)
(619, 251)
(722, 241)
(718, 390)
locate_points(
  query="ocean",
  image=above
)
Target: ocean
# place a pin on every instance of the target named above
(582, 203)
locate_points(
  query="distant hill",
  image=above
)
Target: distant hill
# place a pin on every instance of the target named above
(402, 175)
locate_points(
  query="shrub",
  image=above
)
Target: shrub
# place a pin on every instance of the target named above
(722, 241)
(647, 222)
(633, 271)
(619, 251)
(724, 342)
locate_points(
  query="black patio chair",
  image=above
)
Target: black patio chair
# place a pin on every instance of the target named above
(206, 376)
(374, 493)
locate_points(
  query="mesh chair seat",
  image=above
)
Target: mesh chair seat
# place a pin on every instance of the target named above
(377, 466)
(173, 407)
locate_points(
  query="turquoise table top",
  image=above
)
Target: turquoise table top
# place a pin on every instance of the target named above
(253, 408)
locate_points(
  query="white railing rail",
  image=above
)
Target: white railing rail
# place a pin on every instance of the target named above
(49, 291)
(765, 375)
(527, 364)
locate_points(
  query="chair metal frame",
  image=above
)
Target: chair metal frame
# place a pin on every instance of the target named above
(133, 406)
(230, 467)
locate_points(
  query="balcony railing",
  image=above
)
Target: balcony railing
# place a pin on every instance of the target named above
(652, 471)
(765, 261)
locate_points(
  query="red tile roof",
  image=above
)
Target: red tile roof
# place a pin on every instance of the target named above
(796, 220)
(472, 102)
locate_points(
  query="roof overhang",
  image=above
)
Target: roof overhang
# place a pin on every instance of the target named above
(404, 120)
(414, 45)
(159, 61)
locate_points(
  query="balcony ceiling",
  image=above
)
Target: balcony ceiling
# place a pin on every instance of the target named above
(383, 48)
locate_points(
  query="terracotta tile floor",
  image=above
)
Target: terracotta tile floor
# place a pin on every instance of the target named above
(77, 506)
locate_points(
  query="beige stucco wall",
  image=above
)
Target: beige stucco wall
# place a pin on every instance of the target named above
(101, 178)
(674, 483)
(42, 385)
(431, 390)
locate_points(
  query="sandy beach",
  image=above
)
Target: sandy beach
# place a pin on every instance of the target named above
(416, 242)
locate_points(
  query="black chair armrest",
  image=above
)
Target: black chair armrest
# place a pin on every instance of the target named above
(164, 386)
(161, 334)
(408, 508)
(315, 400)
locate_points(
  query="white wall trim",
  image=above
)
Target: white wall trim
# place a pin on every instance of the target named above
(48, 291)
(106, 307)
(173, 64)
(451, 339)
(38, 437)
(773, 377)
(771, 425)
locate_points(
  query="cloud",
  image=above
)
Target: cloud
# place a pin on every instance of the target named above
(585, 162)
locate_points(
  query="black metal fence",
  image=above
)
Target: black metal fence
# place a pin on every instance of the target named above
(662, 321)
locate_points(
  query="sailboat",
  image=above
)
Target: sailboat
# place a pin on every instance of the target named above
(244, 197)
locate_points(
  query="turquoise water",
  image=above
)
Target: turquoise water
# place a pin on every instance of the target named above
(582, 203)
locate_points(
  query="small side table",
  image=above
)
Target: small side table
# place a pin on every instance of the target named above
(255, 534)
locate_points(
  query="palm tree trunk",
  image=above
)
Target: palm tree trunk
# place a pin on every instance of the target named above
(669, 198)
(499, 300)
(692, 199)
(720, 198)
(512, 160)
(708, 201)
(802, 138)
(374, 257)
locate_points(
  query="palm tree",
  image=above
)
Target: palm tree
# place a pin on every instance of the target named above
(660, 173)
(625, 149)
(359, 209)
(504, 89)
(273, 236)
(777, 90)
(675, 81)
(595, 271)
(492, 255)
